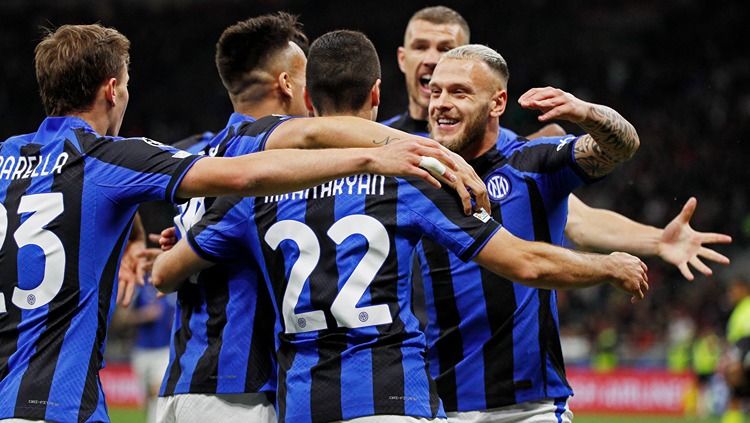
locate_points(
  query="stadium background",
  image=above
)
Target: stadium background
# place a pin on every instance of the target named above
(675, 68)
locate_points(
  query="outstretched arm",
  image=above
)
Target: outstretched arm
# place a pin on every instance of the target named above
(546, 266)
(593, 229)
(609, 140)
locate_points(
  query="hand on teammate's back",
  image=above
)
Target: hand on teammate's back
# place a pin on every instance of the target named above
(630, 275)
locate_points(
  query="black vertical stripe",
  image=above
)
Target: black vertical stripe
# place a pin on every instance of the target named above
(106, 285)
(285, 357)
(213, 284)
(36, 382)
(265, 216)
(260, 357)
(419, 309)
(499, 361)
(549, 340)
(554, 347)
(418, 306)
(188, 298)
(10, 320)
(387, 358)
(325, 390)
(449, 345)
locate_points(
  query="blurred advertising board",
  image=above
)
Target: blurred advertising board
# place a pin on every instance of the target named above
(623, 391)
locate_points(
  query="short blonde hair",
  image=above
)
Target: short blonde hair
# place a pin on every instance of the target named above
(481, 53)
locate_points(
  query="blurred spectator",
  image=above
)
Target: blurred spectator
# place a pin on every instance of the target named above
(151, 315)
(737, 369)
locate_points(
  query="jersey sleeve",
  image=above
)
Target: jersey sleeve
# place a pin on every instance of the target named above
(134, 170)
(251, 137)
(218, 236)
(551, 162)
(439, 215)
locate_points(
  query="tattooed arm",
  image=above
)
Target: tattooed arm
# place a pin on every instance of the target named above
(609, 140)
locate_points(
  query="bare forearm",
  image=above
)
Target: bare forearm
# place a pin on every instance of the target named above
(610, 140)
(600, 230)
(542, 265)
(272, 172)
(173, 267)
(333, 132)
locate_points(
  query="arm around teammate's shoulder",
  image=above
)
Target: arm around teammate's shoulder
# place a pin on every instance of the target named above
(286, 170)
(542, 265)
(333, 132)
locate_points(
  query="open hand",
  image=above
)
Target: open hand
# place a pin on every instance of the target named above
(680, 244)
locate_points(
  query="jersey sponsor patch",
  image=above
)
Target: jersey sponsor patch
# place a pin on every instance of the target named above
(482, 215)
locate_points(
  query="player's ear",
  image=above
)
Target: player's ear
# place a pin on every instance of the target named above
(498, 103)
(308, 102)
(285, 84)
(401, 56)
(375, 94)
(110, 93)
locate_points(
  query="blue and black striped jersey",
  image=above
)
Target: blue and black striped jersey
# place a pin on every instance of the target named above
(494, 342)
(337, 258)
(219, 345)
(67, 201)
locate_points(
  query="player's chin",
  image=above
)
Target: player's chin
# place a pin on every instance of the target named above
(444, 139)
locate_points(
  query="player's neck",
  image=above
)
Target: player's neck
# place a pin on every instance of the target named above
(261, 108)
(488, 142)
(98, 121)
(416, 111)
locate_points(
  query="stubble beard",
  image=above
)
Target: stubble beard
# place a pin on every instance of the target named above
(474, 132)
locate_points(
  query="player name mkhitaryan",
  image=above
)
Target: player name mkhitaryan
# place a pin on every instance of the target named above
(363, 184)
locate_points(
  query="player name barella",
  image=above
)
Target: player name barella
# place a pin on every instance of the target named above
(363, 184)
(30, 166)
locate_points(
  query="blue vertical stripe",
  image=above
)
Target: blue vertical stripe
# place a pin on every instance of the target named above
(237, 334)
(432, 330)
(195, 346)
(473, 310)
(298, 380)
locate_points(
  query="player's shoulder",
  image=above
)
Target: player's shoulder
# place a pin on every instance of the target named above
(260, 127)
(541, 155)
(18, 140)
(249, 135)
(413, 191)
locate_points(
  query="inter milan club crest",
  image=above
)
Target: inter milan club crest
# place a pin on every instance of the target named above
(498, 187)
